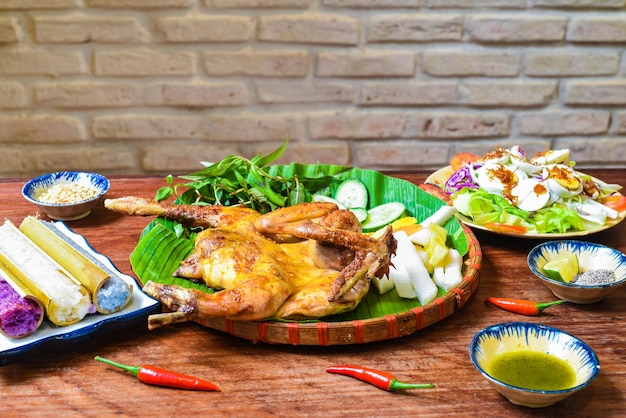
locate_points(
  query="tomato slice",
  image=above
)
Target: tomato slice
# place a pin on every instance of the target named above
(505, 228)
(462, 158)
(436, 191)
(616, 202)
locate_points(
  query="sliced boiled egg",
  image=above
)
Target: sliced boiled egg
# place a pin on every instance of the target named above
(498, 156)
(551, 157)
(525, 165)
(561, 180)
(531, 195)
(495, 178)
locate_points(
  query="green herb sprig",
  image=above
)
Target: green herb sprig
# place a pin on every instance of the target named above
(240, 181)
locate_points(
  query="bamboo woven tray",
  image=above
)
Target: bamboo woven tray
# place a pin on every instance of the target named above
(378, 317)
(366, 330)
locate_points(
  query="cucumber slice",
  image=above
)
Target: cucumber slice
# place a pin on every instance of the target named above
(384, 214)
(360, 213)
(324, 198)
(352, 193)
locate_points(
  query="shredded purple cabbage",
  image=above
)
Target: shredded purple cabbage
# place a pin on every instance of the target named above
(462, 178)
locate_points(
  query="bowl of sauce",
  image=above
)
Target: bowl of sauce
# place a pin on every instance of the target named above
(533, 365)
(66, 195)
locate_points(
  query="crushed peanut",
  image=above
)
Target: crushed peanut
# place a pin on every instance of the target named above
(68, 193)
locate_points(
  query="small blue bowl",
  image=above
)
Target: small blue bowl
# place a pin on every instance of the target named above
(69, 211)
(590, 256)
(497, 339)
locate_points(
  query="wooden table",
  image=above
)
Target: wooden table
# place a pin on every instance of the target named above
(282, 380)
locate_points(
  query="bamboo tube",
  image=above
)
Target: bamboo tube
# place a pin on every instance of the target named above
(108, 293)
(65, 300)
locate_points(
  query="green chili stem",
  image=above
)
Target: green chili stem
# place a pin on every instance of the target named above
(132, 369)
(543, 305)
(398, 385)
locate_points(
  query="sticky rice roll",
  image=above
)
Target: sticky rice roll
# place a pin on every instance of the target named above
(109, 293)
(21, 313)
(65, 300)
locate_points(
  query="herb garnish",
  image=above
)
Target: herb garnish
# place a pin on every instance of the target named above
(247, 182)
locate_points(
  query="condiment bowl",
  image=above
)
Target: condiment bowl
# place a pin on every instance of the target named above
(81, 192)
(525, 341)
(590, 256)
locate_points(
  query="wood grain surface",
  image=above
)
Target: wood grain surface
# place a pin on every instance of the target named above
(263, 380)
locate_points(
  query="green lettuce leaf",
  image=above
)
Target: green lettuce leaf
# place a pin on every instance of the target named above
(482, 207)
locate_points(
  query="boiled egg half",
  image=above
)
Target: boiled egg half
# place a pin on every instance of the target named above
(495, 178)
(531, 195)
(562, 181)
(551, 157)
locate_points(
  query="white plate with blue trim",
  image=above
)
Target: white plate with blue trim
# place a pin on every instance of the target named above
(50, 335)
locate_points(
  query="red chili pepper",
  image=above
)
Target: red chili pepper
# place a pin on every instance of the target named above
(521, 306)
(377, 378)
(156, 376)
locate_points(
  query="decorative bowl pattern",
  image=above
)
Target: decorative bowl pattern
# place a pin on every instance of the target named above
(512, 336)
(36, 187)
(590, 256)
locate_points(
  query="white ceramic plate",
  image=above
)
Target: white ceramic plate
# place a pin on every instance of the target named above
(439, 178)
(139, 307)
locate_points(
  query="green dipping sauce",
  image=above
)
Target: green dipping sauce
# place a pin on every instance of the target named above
(533, 370)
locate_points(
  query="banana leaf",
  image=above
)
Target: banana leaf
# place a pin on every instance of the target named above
(163, 244)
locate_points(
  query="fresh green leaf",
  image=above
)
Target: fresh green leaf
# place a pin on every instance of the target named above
(271, 157)
(163, 193)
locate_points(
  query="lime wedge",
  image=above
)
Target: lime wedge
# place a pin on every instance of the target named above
(562, 268)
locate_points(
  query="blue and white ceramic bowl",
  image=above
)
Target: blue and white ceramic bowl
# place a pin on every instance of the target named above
(38, 186)
(492, 341)
(590, 257)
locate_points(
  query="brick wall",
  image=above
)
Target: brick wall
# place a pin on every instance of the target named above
(156, 86)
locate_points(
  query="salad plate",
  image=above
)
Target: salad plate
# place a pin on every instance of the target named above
(378, 317)
(49, 336)
(441, 176)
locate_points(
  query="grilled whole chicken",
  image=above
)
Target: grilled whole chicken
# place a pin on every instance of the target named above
(303, 261)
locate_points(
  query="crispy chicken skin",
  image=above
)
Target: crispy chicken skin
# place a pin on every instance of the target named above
(303, 261)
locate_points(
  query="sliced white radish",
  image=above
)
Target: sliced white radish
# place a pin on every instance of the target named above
(610, 212)
(440, 217)
(402, 282)
(453, 269)
(414, 278)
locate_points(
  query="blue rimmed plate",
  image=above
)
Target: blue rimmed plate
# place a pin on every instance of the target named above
(51, 336)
